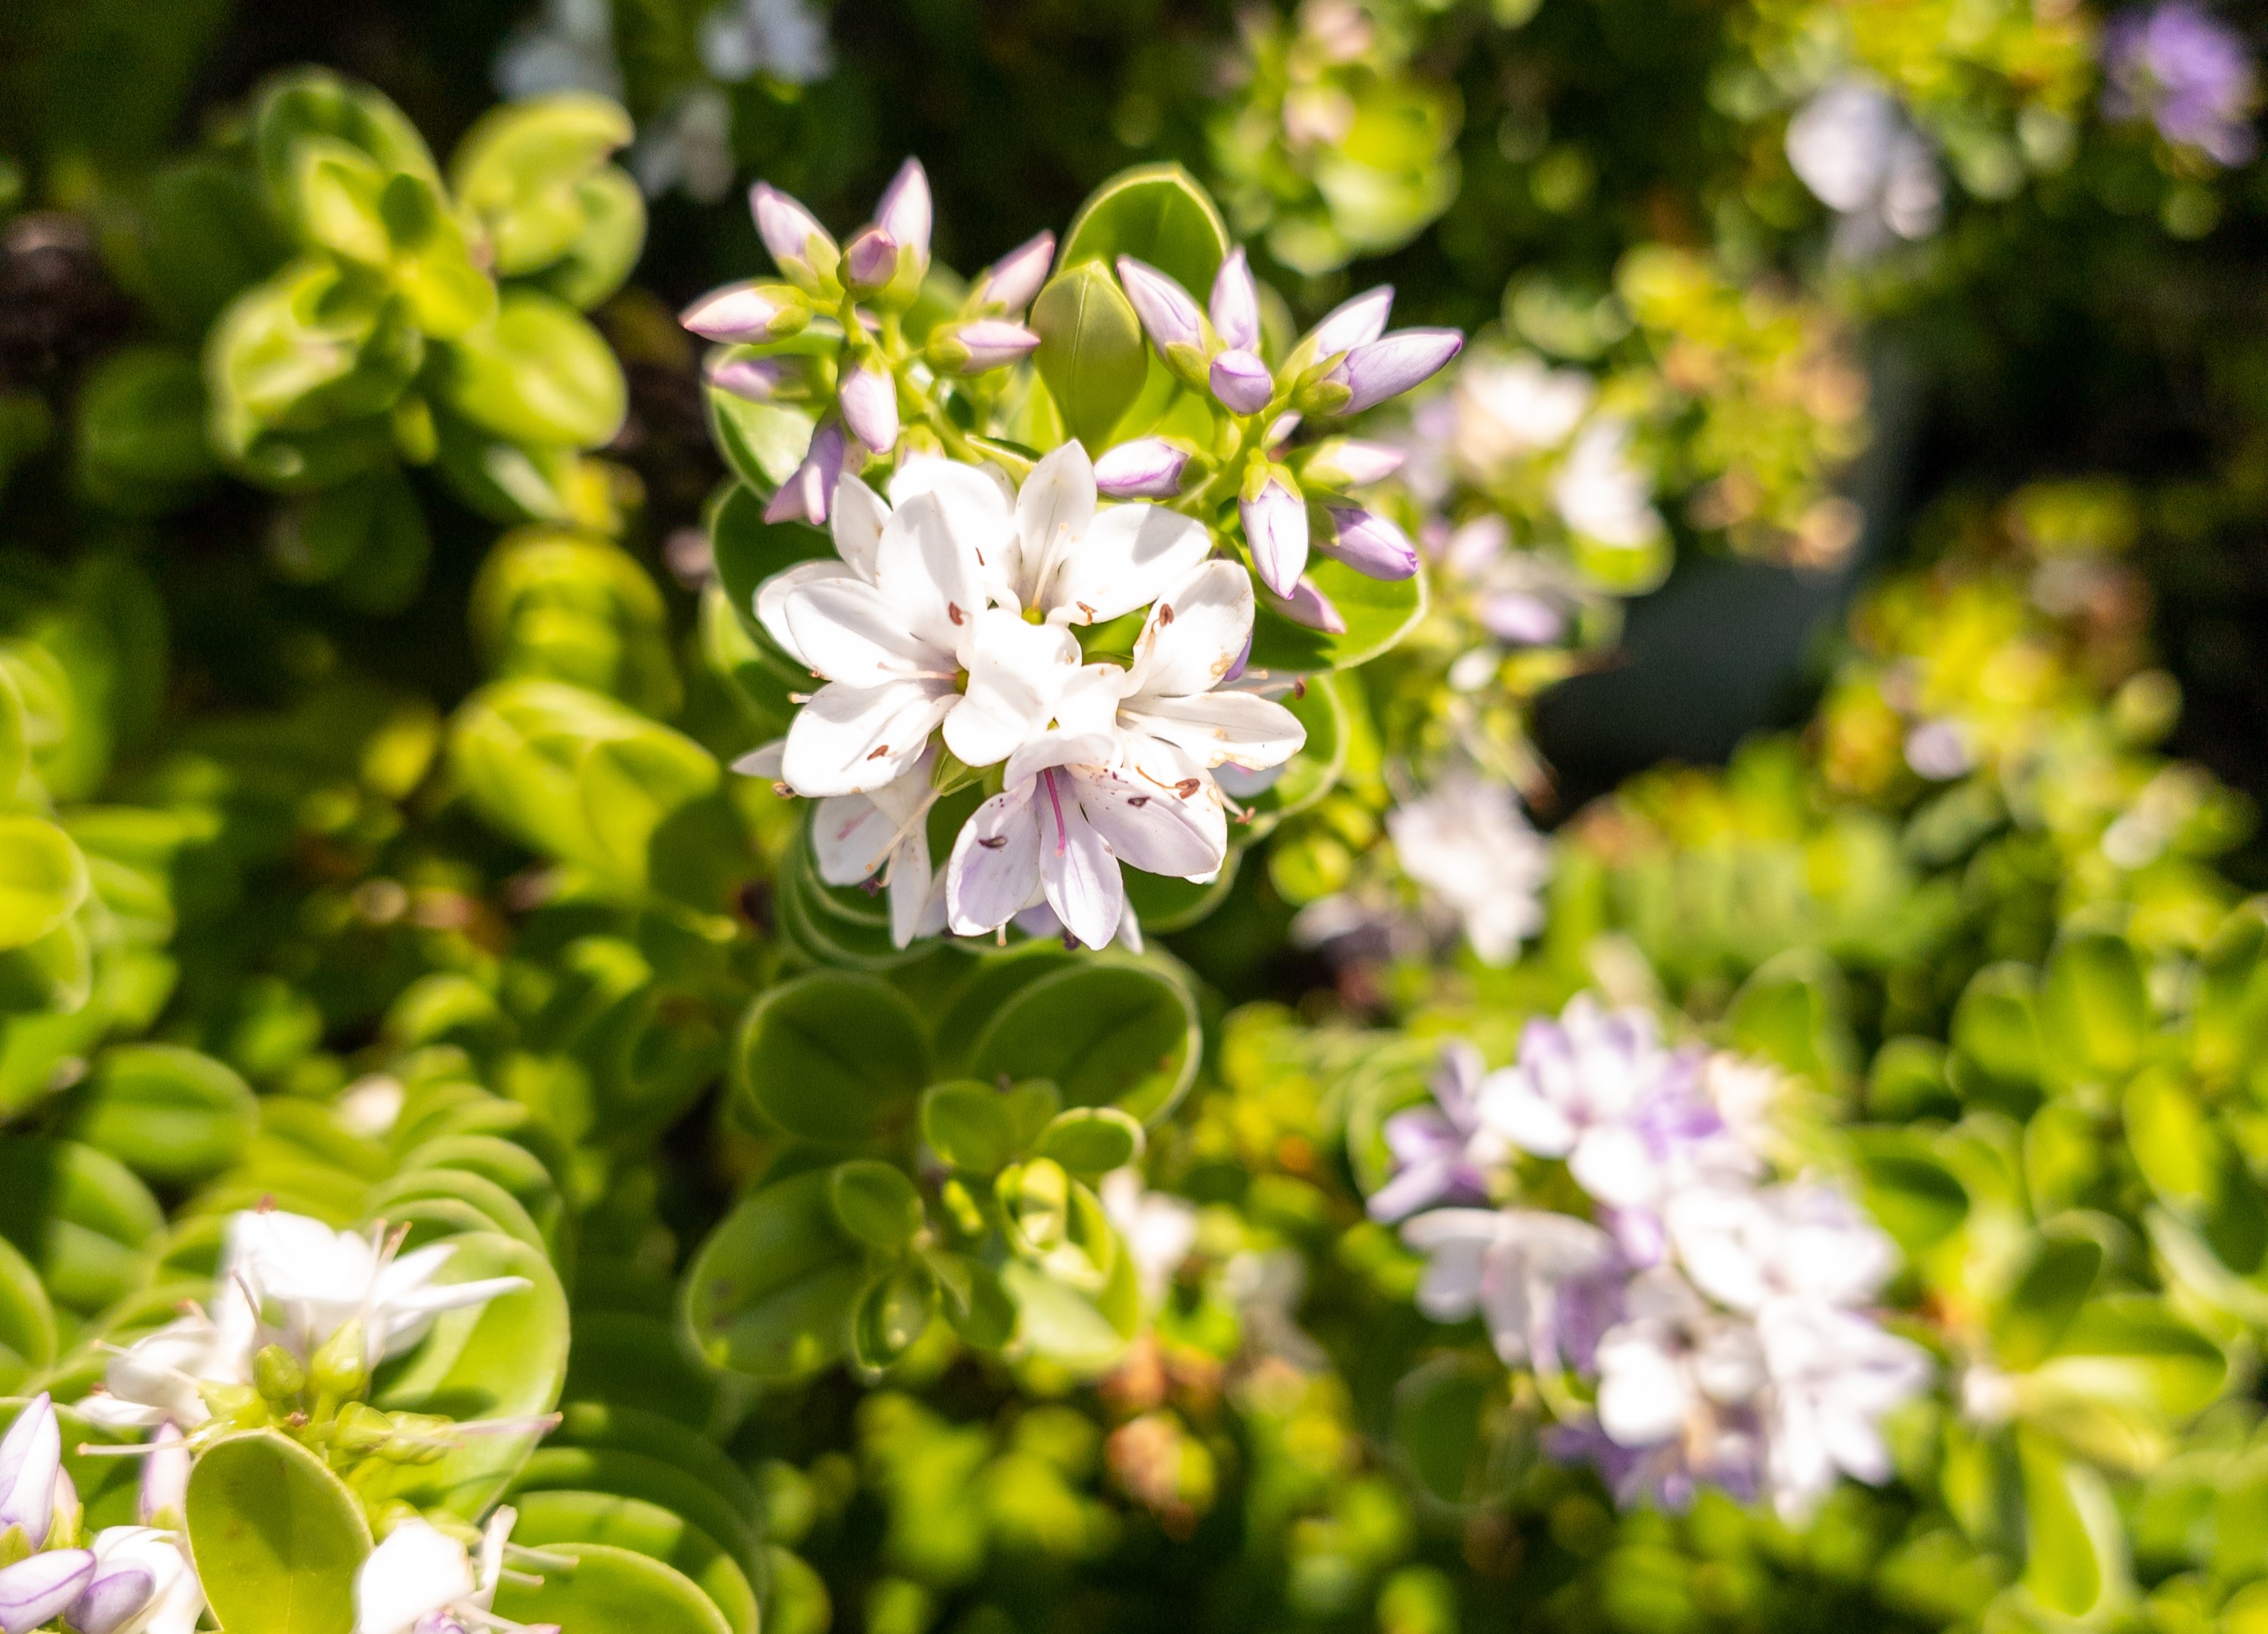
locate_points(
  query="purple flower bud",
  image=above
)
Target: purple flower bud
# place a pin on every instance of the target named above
(31, 1459)
(1367, 543)
(1013, 280)
(1241, 382)
(1148, 468)
(1276, 528)
(1349, 462)
(1235, 303)
(808, 495)
(1167, 311)
(869, 398)
(985, 343)
(1380, 369)
(115, 1598)
(754, 379)
(747, 312)
(36, 1590)
(905, 213)
(1522, 619)
(164, 1489)
(872, 260)
(1352, 323)
(801, 248)
(1310, 607)
(1283, 425)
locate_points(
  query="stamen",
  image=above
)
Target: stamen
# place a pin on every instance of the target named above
(1063, 835)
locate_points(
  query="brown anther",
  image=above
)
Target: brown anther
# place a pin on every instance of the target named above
(1187, 786)
(952, 611)
(1165, 615)
(879, 751)
(992, 842)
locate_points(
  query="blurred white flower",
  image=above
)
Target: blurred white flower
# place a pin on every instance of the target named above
(1601, 495)
(570, 46)
(1834, 1374)
(785, 39)
(1468, 842)
(1508, 408)
(1851, 145)
(1158, 1228)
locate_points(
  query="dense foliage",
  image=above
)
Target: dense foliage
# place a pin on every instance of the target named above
(935, 898)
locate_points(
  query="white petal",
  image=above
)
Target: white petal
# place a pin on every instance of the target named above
(859, 516)
(1130, 555)
(1016, 672)
(994, 864)
(928, 573)
(911, 879)
(1180, 832)
(1510, 1106)
(1644, 1394)
(849, 838)
(1213, 727)
(846, 631)
(1053, 513)
(772, 597)
(849, 740)
(1195, 633)
(763, 761)
(418, 1568)
(978, 508)
(1612, 1163)
(1077, 869)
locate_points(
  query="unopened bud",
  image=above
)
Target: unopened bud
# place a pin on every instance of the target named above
(1275, 525)
(870, 262)
(1240, 382)
(1235, 303)
(980, 344)
(278, 1376)
(1371, 373)
(115, 1598)
(754, 379)
(1013, 282)
(905, 212)
(1310, 607)
(361, 1428)
(1343, 462)
(748, 311)
(1369, 543)
(869, 399)
(36, 1590)
(808, 494)
(1349, 324)
(1148, 468)
(1171, 320)
(340, 1368)
(800, 247)
(164, 1496)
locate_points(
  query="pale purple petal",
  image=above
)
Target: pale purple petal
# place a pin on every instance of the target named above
(1077, 869)
(1389, 367)
(809, 491)
(1367, 543)
(743, 312)
(869, 397)
(994, 343)
(1148, 468)
(1276, 528)
(1241, 382)
(753, 379)
(112, 1599)
(36, 1590)
(994, 866)
(31, 1460)
(1236, 303)
(871, 260)
(1017, 277)
(1308, 605)
(1167, 313)
(905, 211)
(1352, 323)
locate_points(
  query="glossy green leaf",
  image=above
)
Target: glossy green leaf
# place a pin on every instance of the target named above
(1091, 352)
(1106, 1031)
(276, 1537)
(769, 1293)
(2031, 1320)
(540, 374)
(972, 1126)
(519, 170)
(643, 1474)
(42, 878)
(876, 1203)
(1156, 213)
(832, 1057)
(1092, 1140)
(607, 1590)
(1377, 613)
(165, 1112)
(763, 443)
(566, 1517)
(27, 1321)
(2093, 1010)
(891, 1315)
(79, 1216)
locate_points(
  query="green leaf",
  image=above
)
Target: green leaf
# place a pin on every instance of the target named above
(892, 1313)
(1993, 1025)
(642, 1475)
(832, 1057)
(1155, 213)
(2093, 1011)
(1378, 613)
(600, 260)
(1092, 353)
(747, 550)
(1910, 1194)
(2030, 1322)
(276, 1537)
(1092, 1140)
(43, 878)
(2177, 1149)
(312, 104)
(876, 1203)
(27, 1321)
(607, 1590)
(507, 1358)
(2139, 1353)
(972, 1126)
(166, 1113)
(141, 444)
(545, 1518)
(769, 1293)
(630, 1429)
(540, 374)
(79, 1217)
(763, 443)
(1106, 1031)
(1457, 1433)
(2063, 1506)
(518, 171)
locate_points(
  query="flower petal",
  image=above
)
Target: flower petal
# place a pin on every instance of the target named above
(995, 866)
(1215, 727)
(927, 572)
(913, 883)
(1130, 555)
(849, 632)
(849, 740)
(772, 597)
(849, 838)
(1181, 833)
(1195, 634)
(1016, 672)
(418, 1568)
(859, 515)
(1077, 869)
(1054, 509)
(35, 1590)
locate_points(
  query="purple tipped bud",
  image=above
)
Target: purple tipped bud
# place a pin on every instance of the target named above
(748, 311)
(1386, 368)
(1367, 543)
(809, 494)
(1352, 323)
(112, 1599)
(165, 1478)
(31, 1460)
(1276, 528)
(37, 1590)
(755, 379)
(1241, 382)
(1308, 605)
(1283, 425)
(1167, 313)
(1015, 278)
(871, 262)
(1148, 468)
(1349, 462)
(869, 398)
(1236, 304)
(905, 212)
(981, 343)
(802, 249)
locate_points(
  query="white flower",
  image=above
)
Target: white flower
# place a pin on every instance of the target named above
(1678, 1384)
(1510, 407)
(1158, 1228)
(572, 47)
(784, 39)
(855, 836)
(1851, 145)
(687, 144)
(1601, 495)
(312, 1280)
(1834, 1373)
(421, 1578)
(1468, 842)
(143, 1584)
(1517, 1267)
(907, 641)
(1123, 773)
(1077, 562)
(1806, 1240)
(155, 1381)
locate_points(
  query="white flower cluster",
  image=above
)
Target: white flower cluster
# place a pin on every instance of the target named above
(944, 627)
(1720, 1316)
